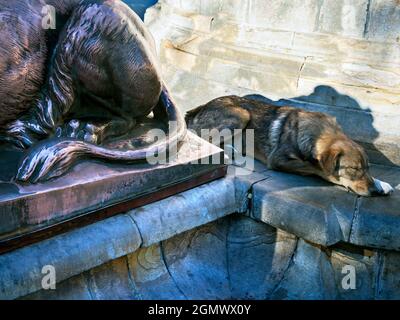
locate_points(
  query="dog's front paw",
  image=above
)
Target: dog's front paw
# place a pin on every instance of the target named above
(42, 163)
(383, 188)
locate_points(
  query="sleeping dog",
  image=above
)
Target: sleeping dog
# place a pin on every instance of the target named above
(293, 140)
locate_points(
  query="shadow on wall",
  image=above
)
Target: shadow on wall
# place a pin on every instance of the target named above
(357, 122)
(140, 6)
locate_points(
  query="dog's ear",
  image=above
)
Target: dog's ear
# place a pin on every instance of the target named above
(329, 161)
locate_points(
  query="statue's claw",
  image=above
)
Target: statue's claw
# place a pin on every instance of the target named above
(19, 135)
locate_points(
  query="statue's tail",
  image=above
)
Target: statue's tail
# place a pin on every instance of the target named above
(54, 157)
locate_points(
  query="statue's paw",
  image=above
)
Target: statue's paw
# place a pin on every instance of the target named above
(43, 163)
(81, 130)
(19, 135)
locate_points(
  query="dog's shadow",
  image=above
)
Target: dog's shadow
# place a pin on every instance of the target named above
(359, 126)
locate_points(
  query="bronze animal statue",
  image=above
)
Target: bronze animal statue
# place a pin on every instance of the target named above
(64, 92)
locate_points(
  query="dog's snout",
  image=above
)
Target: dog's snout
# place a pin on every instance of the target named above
(380, 188)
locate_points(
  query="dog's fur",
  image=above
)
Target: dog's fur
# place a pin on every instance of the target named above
(293, 140)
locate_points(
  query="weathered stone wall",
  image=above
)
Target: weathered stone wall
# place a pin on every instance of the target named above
(341, 57)
(237, 258)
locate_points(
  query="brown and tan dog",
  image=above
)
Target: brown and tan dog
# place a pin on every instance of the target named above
(293, 140)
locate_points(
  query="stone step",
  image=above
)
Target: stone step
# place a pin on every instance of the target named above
(324, 214)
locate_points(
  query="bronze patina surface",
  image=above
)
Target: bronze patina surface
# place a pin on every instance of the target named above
(66, 92)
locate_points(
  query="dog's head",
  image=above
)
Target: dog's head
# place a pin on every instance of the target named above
(344, 162)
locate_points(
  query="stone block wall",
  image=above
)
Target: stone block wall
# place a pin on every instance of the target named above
(340, 57)
(237, 258)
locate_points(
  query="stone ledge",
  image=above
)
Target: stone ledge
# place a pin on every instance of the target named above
(377, 222)
(306, 207)
(164, 219)
(324, 214)
(88, 247)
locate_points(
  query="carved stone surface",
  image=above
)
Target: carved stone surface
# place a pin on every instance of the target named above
(273, 249)
(185, 211)
(237, 258)
(376, 223)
